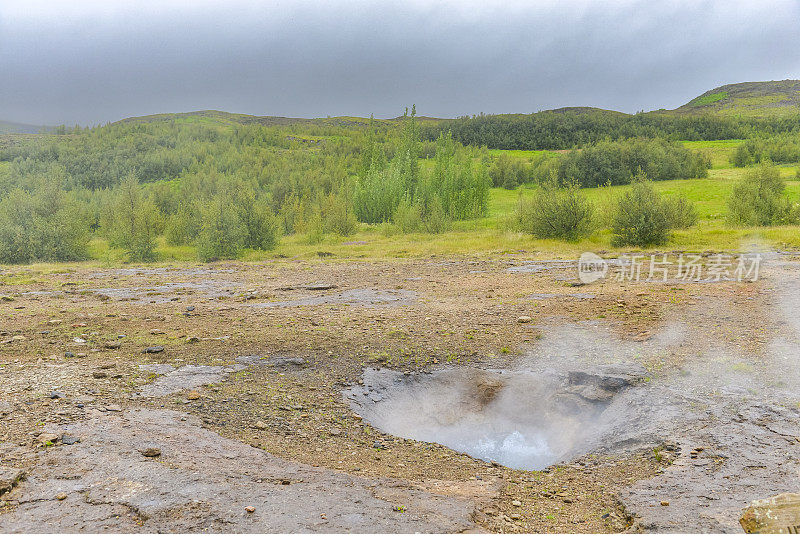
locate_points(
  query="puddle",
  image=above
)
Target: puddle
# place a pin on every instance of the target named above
(364, 297)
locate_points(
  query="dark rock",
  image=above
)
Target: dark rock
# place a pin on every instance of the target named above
(151, 452)
(153, 350)
(772, 515)
(66, 439)
(69, 355)
(5, 408)
(284, 362)
(592, 392)
(611, 378)
(56, 395)
(10, 477)
(99, 374)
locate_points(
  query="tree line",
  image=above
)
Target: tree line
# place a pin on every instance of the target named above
(567, 129)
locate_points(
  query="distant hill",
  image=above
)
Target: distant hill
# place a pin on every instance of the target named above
(15, 127)
(749, 99)
(580, 110)
(223, 117)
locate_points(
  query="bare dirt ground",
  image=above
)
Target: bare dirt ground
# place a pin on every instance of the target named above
(215, 397)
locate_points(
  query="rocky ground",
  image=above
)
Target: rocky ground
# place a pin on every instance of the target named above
(216, 397)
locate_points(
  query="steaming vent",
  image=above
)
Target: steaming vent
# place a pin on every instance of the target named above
(521, 419)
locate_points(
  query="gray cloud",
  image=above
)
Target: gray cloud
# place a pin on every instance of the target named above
(94, 61)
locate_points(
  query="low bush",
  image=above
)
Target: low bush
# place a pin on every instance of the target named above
(556, 213)
(222, 233)
(41, 226)
(643, 217)
(133, 223)
(757, 199)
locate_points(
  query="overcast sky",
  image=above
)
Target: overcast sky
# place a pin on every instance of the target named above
(93, 61)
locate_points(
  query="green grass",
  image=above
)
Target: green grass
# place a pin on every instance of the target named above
(709, 99)
(719, 151)
(526, 155)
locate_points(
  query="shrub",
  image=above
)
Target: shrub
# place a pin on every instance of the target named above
(263, 227)
(641, 217)
(435, 218)
(460, 183)
(741, 156)
(378, 193)
(777, 149)
(408, 216)
(183, 226)
(507, 173)
(681, 212)
(556, 212)
(316, 229)
(222, 233)
(42, 226)
(133, 223)
(618, 162)
(757, 199)
(337, 216)
(419, 216)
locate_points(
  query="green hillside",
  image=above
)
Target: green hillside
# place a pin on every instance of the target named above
(748, 99)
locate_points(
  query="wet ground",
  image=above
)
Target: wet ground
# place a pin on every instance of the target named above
(428, 396)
